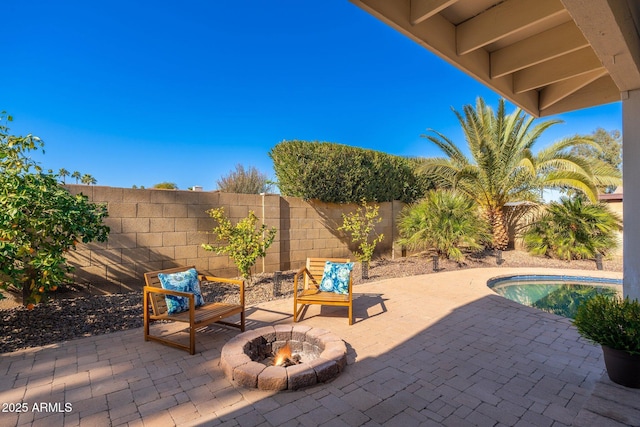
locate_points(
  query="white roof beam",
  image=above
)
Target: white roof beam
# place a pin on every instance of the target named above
(601, 91)
(421, 10)
(502, 20)
(563, 39)
(555, 70)
(613, 34)
(556, 92)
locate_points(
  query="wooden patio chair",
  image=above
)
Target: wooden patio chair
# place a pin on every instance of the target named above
(196, 317)
(310, 277)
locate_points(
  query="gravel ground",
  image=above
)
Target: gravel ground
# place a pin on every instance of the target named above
(68, 318)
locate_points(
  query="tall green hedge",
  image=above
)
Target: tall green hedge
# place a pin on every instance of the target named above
(341, 174)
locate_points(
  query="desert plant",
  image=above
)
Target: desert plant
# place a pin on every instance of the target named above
(573, 229)
(361, 226)
(40, 221)
(244, 181)
(610, 321)
(503, 167)
(445, 221)
(243, 242)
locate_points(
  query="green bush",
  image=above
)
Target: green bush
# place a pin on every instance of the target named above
(361, 225)
(40, 221)
(244, 181)
(243, 242)
(573, 229)
(613, 322)
(341, 174)
(445, 221)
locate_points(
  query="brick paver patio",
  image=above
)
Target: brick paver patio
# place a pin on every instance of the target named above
(437, 349)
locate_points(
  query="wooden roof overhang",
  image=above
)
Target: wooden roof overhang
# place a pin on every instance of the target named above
(545, 56)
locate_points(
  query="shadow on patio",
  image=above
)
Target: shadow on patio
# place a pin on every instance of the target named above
(436, 350)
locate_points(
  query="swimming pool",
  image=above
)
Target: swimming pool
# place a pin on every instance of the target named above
(554, 294)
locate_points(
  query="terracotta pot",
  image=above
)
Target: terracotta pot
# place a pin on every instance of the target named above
(623, 368)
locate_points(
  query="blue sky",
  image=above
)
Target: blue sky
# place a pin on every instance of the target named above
(142, 92)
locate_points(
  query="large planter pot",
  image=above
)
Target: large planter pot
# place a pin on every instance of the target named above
(623, 368)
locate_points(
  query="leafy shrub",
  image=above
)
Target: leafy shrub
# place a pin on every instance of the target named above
(243, 243)
(573, 229)
(40, 221)
(361, 225)
(244, 181)
(613, 322)
(166, 186)
(341, 174)
(444, 221)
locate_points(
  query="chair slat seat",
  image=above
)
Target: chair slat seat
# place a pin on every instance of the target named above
(204, 315)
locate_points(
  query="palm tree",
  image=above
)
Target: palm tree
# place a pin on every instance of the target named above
(573, 229)
(503, 167)
(88, 179)
(77, 175)
(63, 173)
(445, 221)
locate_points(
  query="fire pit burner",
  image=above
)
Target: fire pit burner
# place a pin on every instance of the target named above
(315, 356)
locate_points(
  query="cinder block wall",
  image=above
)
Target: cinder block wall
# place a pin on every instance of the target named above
(153, 229)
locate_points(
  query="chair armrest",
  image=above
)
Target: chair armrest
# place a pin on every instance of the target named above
(155, 290)
(303, 271)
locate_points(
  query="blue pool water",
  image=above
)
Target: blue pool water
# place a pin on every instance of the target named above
(560, 295)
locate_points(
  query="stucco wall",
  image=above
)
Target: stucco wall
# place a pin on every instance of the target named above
(156, 229)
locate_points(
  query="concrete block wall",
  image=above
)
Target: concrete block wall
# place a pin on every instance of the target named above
(153, 229)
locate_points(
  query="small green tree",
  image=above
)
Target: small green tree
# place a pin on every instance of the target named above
(39, 220)
(445, 221)
(573, 229)
(361, 225)
(76, 175)
(165, 186)
(243, 242)
(244, 181)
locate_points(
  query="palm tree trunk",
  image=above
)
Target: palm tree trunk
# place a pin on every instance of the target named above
(498, 228)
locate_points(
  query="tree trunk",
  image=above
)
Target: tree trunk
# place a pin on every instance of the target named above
(498, 229)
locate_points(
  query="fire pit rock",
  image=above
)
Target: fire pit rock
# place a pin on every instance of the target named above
(247, 359)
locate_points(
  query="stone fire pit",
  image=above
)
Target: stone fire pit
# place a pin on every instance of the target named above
(247, 358)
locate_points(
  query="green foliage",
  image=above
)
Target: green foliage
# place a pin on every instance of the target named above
(242, 242)
(573, 229)
(360, 224)
(342, 174)
(165, 186)
(88, 179)
(613, 322)
(503, 167)
(445, 221)
(63, 174)
(609, 152)
(244, 181)
(39, 220)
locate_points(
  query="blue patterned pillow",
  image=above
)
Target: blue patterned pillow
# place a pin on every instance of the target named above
(184, 281)
(336, 277)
